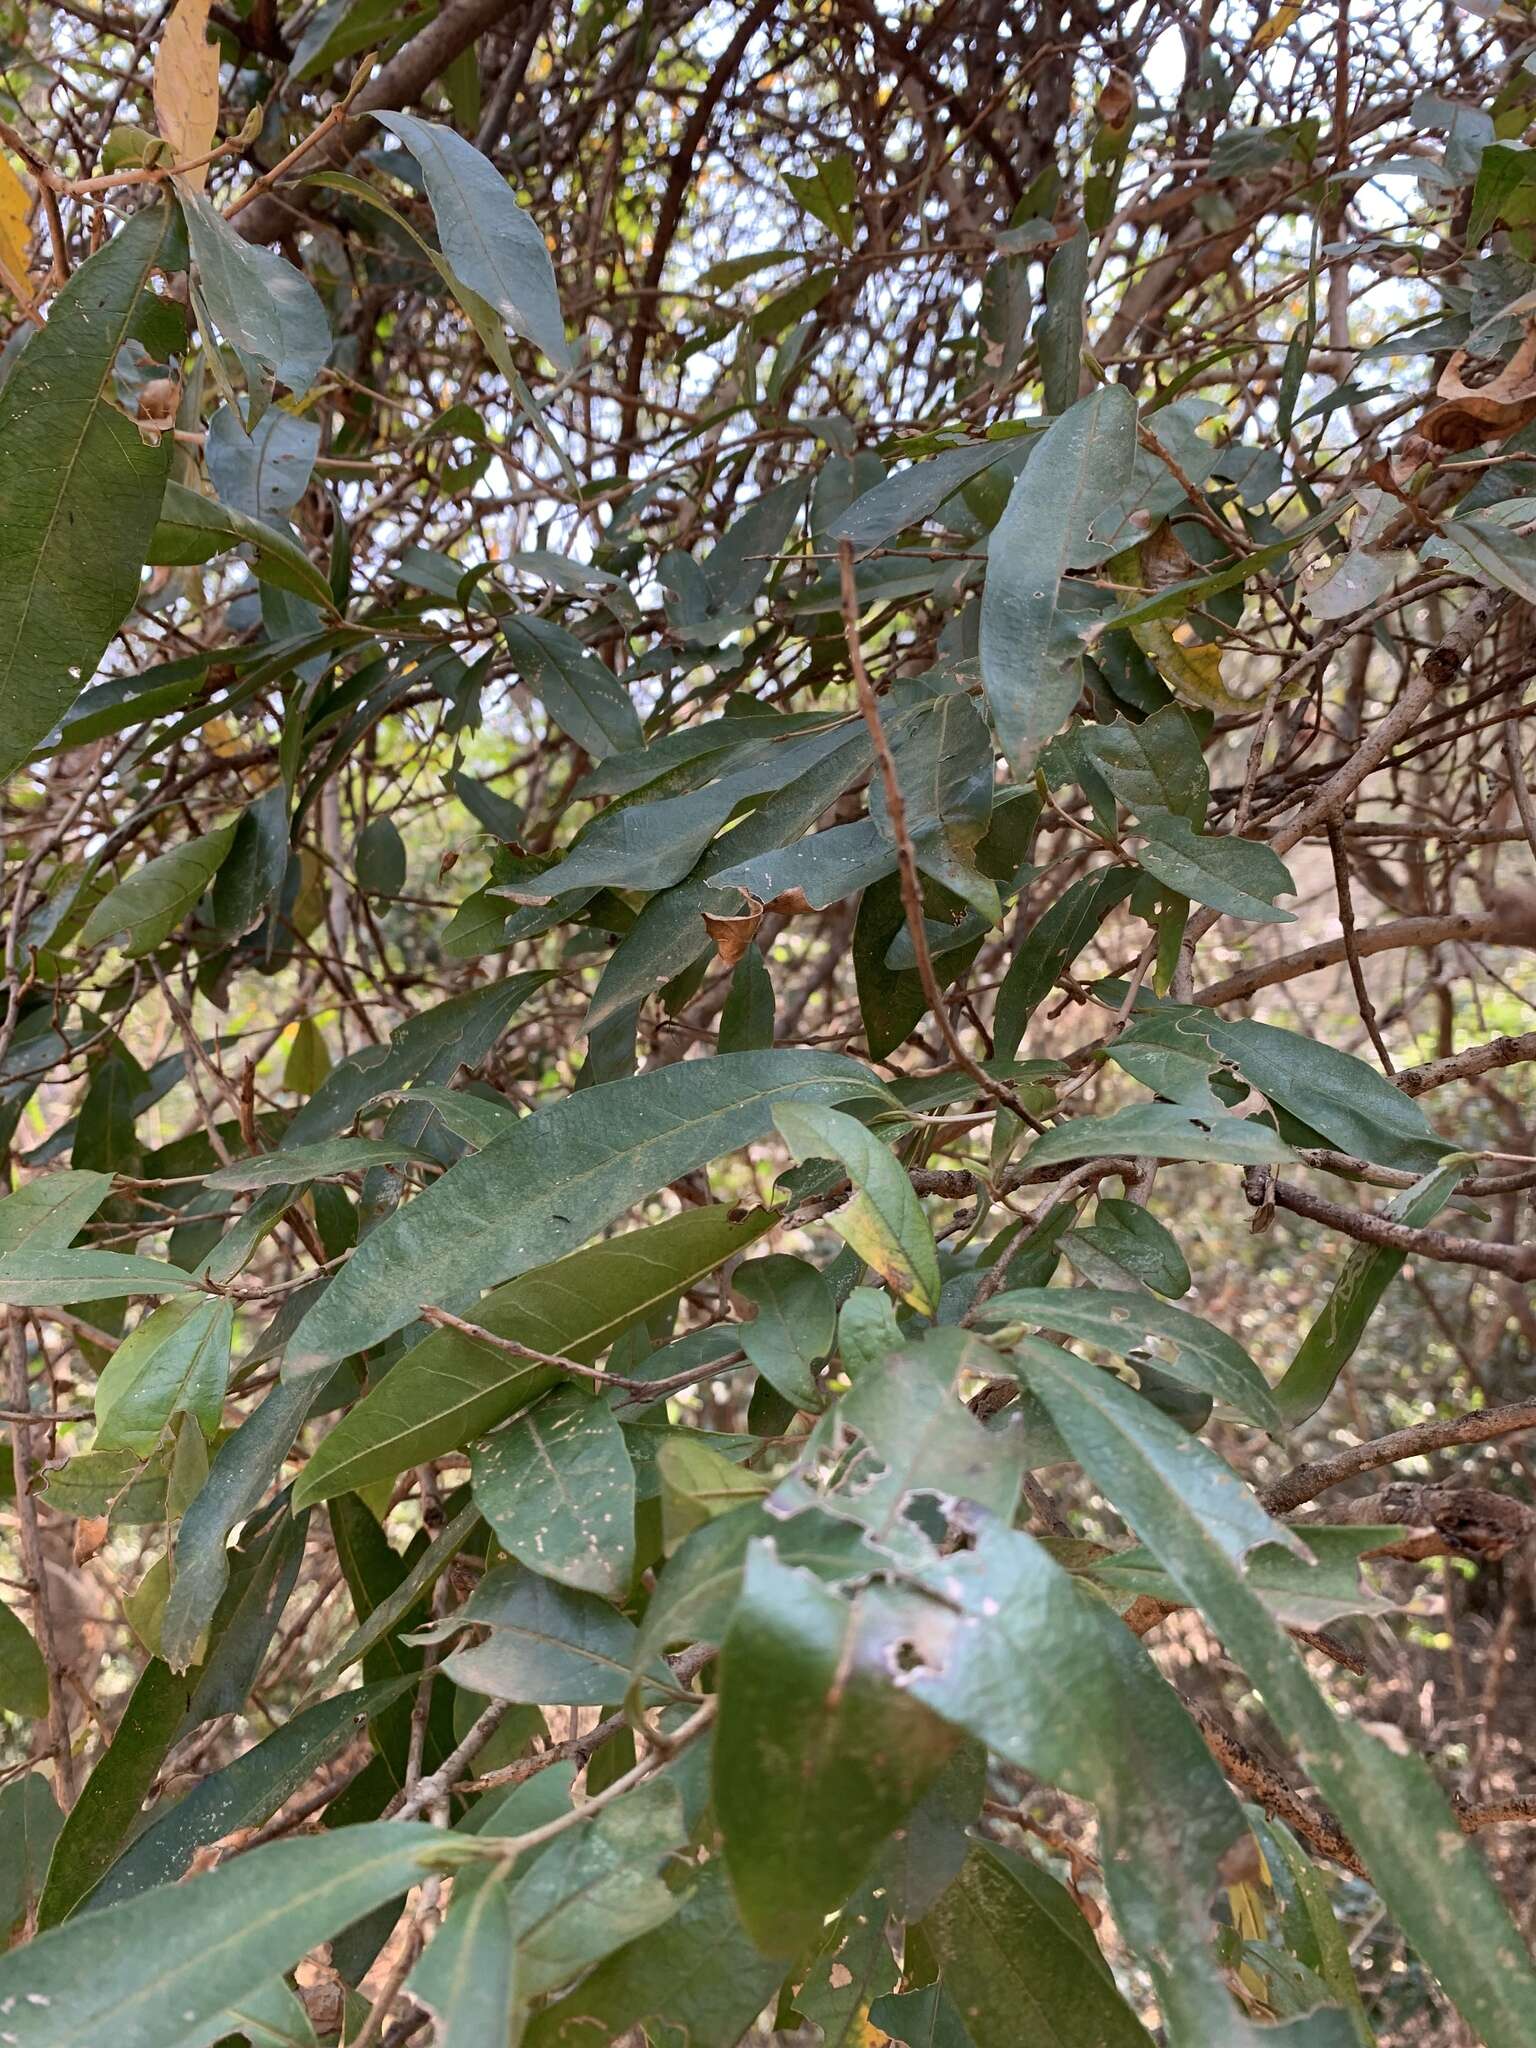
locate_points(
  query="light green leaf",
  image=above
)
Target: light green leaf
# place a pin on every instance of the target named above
(698, 1483)
(33, 1278)
(828, 194)
(817, 1755)
(558, 1488)
(885, 1223)
(175, 1362)
(1186, 1347)
(1301, 1592)
(1368, 1272)
(488, 239)
(795, 1327)
(1031, 644)
(80, 488)
(562, 1175)
(148, 905)
(1240, 877)
(153, 1972)
(449, 1389)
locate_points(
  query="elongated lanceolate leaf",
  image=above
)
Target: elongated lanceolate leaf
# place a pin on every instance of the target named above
(564, 1173)
(885, 1223)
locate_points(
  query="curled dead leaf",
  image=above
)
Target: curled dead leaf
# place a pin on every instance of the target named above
(90, 1535)
(733, 935)
(789, 903)
(1485, 409)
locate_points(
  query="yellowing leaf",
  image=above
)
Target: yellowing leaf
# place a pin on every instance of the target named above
(15, 205)
(186, 89)
(1285, 16)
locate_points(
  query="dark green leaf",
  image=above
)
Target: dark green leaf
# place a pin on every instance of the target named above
(558, 1488)
(795, 1327)
(148, 905)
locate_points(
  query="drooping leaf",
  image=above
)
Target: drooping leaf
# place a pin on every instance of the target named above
(267, 311)
(192, 528)
(324, 1160)
(148, 905)
(885, 1223)
(72, 465)
(1200, 1522)
(1031, 645)
(1368, 1272)
(1019, 1960)
(23, 1674)
(1051, 945)
(489, 241)
(563, 1174)
(817, 1756)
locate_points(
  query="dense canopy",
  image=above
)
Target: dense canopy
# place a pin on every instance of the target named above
(765, 1051)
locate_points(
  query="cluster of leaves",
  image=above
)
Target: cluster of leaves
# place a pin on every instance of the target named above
(845, 618)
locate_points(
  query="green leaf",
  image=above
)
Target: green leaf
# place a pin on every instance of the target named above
(1155, 766)
(431, 1046)
(1367, 1273)
(1240, 877)
(795, 1327)
(546, 1643)
(327, 1160)
(390, 1613)
(450, 1389)
(828, 194)
(268, 312)
(379, 861)
(109, 1806)
(920, 1440)
(817, 1755)
(746, 1021)
(885, 1223)
(29, 1825)
(1020, 1963)
(489, 241)
(698, 1483)
(563, 1174)
(243, 1468)
(558, 1488)
(1301, 1592)
(262, 474)
(23, 1675)
(1160, 1130)
(1136, 1241)
(916, 493)
(1345, 1100)
(1200, 1522)
(945, 770)
(697, 1591)
(193, 528)
(697, 1979)
(583, 697)
(1031, 645)
(154, 1972)
(1059, 334)
(1051, 945)
(176, 1362)
(148, 905)
(1187, 1348)
(249, 1790)
(40, 1278)
(47, 1212)
(80, 488)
